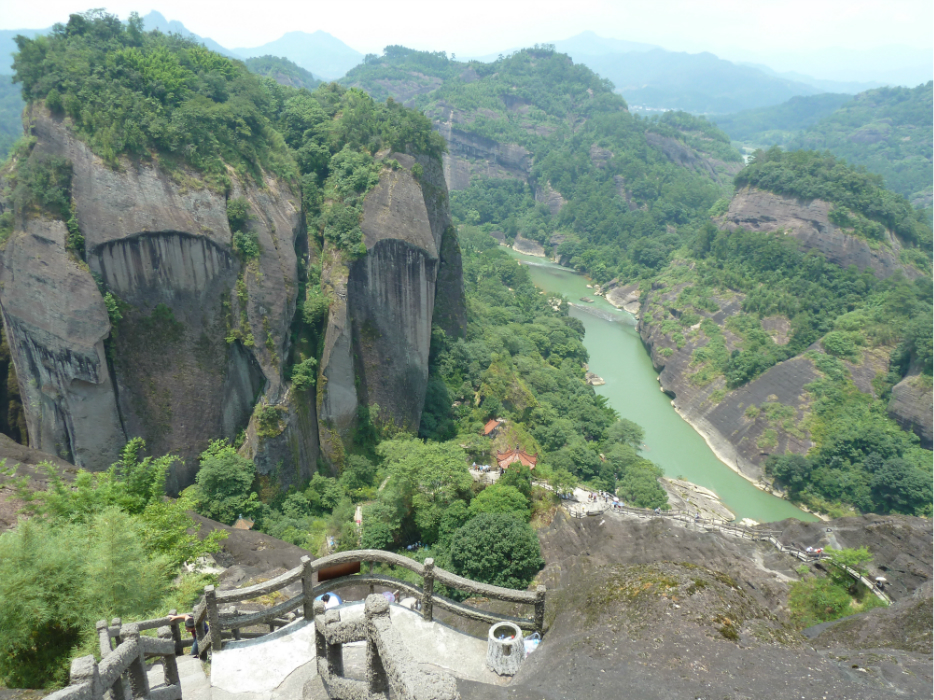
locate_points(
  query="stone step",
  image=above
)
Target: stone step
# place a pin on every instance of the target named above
(195, 685)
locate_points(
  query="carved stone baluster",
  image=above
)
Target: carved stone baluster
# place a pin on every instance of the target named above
(139, 681)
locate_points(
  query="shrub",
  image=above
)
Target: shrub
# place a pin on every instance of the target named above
(223, 482)
(498, 549)
(304, 375)
(500, 498)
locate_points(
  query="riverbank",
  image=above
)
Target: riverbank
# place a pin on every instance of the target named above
(727, 456)
(619, 357)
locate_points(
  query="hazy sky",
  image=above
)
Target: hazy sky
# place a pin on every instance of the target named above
(478, 27)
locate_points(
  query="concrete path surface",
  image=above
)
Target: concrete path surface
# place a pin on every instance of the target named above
(277, 665)
(261, 666)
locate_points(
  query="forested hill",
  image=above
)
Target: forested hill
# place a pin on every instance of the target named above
(283, 71)
(888, 130)
(775, 343)
(541, 145)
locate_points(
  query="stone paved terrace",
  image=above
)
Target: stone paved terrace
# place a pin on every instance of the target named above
(277, 666)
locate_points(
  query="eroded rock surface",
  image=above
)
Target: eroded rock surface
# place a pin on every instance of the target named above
(808, 222)
(202, 335)
(651, 610)
(383, 305)
(911, 406)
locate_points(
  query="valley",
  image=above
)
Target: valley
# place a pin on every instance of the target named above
(618, 356)
(258, 312)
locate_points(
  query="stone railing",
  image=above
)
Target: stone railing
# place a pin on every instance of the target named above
(390, 667)
(123, 663)
(211, 607)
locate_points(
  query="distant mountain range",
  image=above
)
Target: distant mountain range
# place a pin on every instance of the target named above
(319, 52)
(652, 79)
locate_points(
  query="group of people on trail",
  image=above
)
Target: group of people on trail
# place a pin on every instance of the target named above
(482, 468)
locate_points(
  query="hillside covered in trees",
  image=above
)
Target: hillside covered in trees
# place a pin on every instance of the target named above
(887, 130)
(551, 154)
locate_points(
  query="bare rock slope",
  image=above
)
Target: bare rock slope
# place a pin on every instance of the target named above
(651, 610)
(808, 221)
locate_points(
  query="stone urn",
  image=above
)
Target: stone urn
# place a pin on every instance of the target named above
(505, 648)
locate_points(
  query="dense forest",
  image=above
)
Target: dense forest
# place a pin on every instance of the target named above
(777, 124)
(632, 213)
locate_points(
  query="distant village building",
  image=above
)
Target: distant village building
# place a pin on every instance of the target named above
(489, 430)
(504, 459)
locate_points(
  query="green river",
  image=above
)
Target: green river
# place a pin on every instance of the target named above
(618, 356)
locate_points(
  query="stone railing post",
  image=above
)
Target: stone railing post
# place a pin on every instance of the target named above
(540, 608)
(169, 665)
(176, 635)
(335, 652)
(103, 636)
(84, 670)
(118, 623)
(308, 586)
(377, 607)
(428, 589)
(321, 645)
(139, 681)
(214, 621)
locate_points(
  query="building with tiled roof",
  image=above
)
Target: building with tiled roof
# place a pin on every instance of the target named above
(491, 426)
(504, 459)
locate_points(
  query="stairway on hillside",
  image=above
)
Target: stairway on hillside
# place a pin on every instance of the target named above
(195, 685)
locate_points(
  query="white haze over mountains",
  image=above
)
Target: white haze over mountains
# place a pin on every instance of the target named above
(674, 71)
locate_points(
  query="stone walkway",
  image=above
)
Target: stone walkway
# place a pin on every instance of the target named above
(277, 666)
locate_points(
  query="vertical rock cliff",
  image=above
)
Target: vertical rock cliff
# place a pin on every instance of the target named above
(160, 242)
(384, 304)
(195, 342)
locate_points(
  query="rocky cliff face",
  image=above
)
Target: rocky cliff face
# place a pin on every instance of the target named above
(383, 306)
(737, 424)
(911, 406)
(161, 243)
(808, 222)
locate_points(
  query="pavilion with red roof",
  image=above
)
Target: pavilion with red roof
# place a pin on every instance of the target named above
(504, 459)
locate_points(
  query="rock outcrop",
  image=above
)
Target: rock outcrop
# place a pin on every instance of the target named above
(809, 223)
(742, 426)
(550, 197)
(470, 154)
(56, 324)
(160, 243)
(911, 406)
(528, 247)
(663, 612)
(383, 306)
